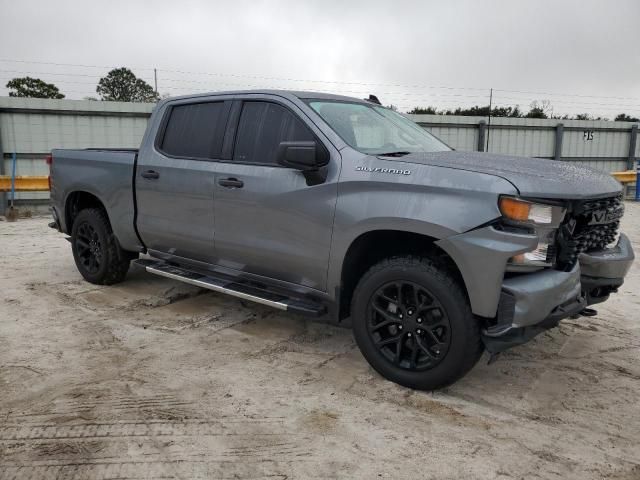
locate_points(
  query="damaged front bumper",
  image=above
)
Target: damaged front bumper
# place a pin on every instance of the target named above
(532, 303)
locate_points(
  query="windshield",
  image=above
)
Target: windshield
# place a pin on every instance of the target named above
(376, 130)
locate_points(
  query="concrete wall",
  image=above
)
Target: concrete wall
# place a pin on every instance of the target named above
(32, 127)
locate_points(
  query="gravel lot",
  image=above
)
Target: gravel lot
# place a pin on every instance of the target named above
(155, 379)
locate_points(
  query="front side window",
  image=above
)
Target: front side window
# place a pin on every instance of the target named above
(195, 130)
(375, 130)
(262, 127)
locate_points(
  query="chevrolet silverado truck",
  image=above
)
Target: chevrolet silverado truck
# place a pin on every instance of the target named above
(321, 205)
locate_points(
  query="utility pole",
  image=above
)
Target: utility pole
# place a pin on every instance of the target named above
(155, 80)
(489, 119)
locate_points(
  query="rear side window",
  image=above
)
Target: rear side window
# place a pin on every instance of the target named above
(195, 130)
(262, 127)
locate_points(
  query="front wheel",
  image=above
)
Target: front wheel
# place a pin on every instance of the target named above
(413, 324)
(96, 251)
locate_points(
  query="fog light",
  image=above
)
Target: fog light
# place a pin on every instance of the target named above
(537, 256)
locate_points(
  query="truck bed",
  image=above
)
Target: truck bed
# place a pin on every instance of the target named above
(107, 174)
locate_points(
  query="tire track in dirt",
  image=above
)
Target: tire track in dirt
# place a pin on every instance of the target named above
(192, 449)
(134, 470)
(214, 427)
(147, 406)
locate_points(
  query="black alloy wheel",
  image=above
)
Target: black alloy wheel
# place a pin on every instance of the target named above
(89, 248)
(409, 325)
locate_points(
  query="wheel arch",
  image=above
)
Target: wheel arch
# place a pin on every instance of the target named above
(77, 201)
(372, 246)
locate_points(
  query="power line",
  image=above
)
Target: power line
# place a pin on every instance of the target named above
(64, 74)
(368, 84)
(352, 91)
(568, 94)
(261, 77)
(422, 97)
(419, 97)
(66, 64)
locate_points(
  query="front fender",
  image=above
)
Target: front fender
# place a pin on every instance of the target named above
(431, 201)
(481, 256)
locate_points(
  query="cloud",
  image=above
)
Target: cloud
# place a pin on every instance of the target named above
(399, 50)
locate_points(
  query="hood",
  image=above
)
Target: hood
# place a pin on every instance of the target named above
(533, 177)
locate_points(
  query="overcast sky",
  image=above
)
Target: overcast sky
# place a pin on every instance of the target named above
(583, 56)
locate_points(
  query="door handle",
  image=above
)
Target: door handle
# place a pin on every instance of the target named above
(150, 174)
(231, 183)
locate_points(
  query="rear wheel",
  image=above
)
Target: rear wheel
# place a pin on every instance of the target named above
(413, 323)
(96, 251)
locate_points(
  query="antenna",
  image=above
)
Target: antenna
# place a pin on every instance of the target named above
(373, 99)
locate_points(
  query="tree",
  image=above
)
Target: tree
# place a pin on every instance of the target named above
(475, 111)
(536, 112)
(540, 110)
(33, 88)
(424, 110)
(121, 85)
(623, 117)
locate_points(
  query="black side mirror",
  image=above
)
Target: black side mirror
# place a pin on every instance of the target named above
(299, 155)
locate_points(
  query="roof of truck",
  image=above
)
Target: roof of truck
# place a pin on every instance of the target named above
(284, 93)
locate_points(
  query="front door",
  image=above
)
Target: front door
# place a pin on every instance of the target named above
(268, 220)
(175, 180)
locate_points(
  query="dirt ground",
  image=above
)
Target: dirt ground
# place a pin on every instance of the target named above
(155, 379)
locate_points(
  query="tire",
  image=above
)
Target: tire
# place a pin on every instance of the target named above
(404, 305)
(96, 251)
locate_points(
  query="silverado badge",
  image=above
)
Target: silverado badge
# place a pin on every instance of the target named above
(394, 171)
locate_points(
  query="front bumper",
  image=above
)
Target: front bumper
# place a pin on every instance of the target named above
(532, 303)
(604, 271)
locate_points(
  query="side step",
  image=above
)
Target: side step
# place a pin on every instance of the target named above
(234, 288)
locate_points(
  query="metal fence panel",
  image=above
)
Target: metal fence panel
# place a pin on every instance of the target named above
(595, 143)
(464, 139)
(521, 142)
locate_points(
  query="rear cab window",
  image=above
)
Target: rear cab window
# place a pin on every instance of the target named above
(195, 130)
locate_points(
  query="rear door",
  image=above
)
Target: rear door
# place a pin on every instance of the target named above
(176, 176)
(270, 220)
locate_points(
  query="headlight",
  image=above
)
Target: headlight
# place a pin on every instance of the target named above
(523, 211)
(543, 219)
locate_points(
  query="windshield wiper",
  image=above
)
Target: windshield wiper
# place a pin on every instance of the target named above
(394, 154)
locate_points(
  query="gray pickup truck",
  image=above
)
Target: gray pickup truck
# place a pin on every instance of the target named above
(327, 205)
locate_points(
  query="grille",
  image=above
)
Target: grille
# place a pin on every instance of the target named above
(590, 225)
